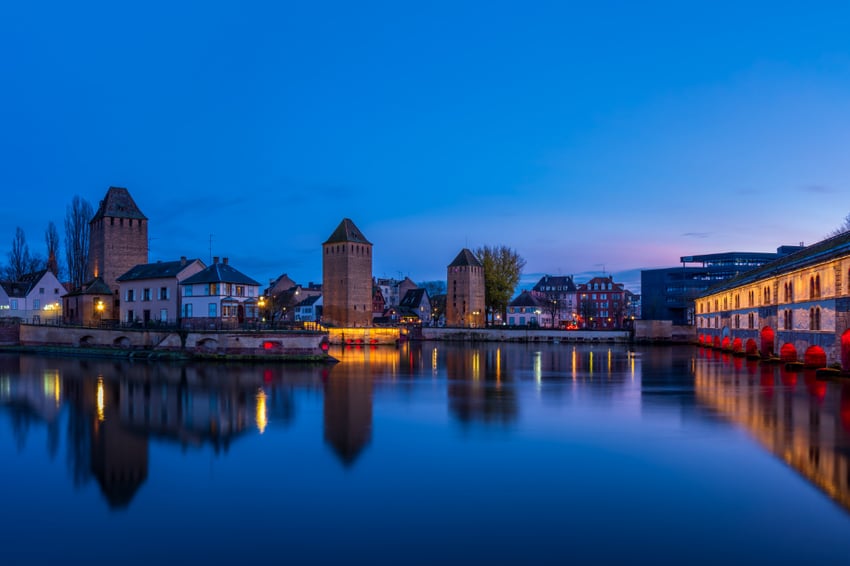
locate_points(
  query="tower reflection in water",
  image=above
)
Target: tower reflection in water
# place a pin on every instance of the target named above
(114, 408)
(801, 419)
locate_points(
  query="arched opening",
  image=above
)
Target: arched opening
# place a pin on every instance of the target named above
(208, 345)
(767, 339)
(725, 343)
(87, 340)
(717, 341)
(121, 342)
(752, 347)
(737, 345)
(788, 353)
(815, 357)
(845, 350)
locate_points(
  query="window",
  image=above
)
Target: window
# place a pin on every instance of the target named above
(212, 310)
(163, 315)
(164, 293)
(36, 304)
(56, 291)
(187, 291)
(737, 321)
(13, 304)
(129, 316)
(187, 310)
(240, 290)
(146, 294)
(131, 295)
(212, 289)
(41, 290)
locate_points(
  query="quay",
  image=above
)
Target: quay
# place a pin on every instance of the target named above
(152, 343)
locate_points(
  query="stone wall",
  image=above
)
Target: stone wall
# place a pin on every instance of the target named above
(512, 335)
(272, 344)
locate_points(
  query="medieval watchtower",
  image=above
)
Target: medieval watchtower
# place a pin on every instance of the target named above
(465, 292)
(347, 277)
(118, 237)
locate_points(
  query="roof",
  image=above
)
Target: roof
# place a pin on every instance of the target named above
(465, 257)
(525, 299)
(413, 298)
(219, 273)
(118, 204)
(825, 250)
(19, 289)
(347, 232)
(565, 282)
(158, 270)
(309, 301)
(94, 287)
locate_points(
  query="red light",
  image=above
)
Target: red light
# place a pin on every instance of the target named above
(268, 345)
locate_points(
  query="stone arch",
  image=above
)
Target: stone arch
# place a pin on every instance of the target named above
(716, 342)
(121, 342)
(752, 347)
(814, 357)
(725, 343)
(845, 350)
(208, 344)
(767, 341)
(788, 353)
(737, 345)
(87, 340)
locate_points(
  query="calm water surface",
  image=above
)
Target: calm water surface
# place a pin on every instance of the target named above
(423, 454)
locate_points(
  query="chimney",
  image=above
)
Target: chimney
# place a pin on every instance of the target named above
(224, 261)
(215, 259)
(182, 260)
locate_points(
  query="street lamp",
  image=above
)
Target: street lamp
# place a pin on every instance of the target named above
(98, 307)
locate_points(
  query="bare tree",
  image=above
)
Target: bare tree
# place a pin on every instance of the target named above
(51, 239)
(77, 216)
(19, 257)
(845, 227)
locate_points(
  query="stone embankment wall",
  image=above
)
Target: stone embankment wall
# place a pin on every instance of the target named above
(248, 343)
(512, 335)
(372, 336)
(663, 331)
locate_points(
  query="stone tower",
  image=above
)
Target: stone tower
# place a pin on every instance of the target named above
(118, 237)
(347, 277)
(465, 291)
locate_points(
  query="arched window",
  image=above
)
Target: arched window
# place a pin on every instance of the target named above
(817, 286)
(817, 318)
(812, 287)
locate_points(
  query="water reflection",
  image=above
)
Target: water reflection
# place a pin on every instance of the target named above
(803, 420)
(113, 413)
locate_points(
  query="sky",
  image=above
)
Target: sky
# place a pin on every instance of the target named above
(590, 137)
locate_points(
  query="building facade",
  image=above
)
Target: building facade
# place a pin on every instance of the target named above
(528, 310)
(347, 277)
(91, 305)
(465, 306)
(796, 307)
(669, 293)
(118, 238)
(36, 298)
(557, 295)
(150, 292)
(601, 304)
(219, 296)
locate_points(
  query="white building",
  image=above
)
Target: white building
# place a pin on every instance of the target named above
(36, 298)
(218, 297)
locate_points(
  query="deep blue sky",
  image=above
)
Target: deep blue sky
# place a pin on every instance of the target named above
(581, 134)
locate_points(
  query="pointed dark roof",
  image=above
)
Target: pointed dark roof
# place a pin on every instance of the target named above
(219, 273)
(20, 289)
(347, 232)
(94, 287)
(118, 204)
(465, 258)
(158, 270)
(413, 298)
(565, 282)
(525, 299)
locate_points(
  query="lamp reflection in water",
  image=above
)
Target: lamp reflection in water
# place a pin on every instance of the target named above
(261, 415)
(100, 402)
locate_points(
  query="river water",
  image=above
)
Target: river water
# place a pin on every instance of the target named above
(429, 453)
